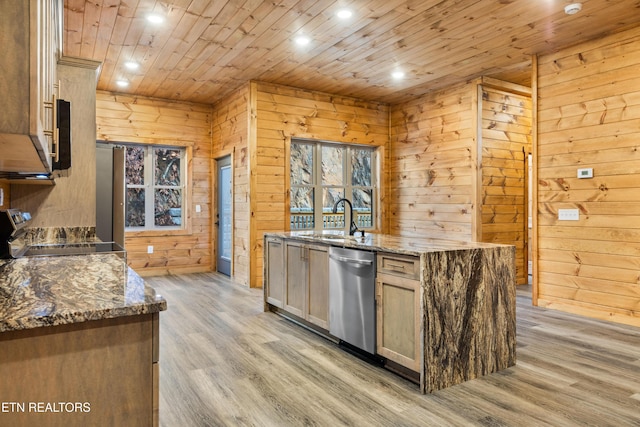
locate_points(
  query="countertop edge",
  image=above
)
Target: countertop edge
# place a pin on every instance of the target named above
(385, 243)
(80, 317)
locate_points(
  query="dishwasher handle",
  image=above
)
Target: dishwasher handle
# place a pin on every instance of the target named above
(351, 260)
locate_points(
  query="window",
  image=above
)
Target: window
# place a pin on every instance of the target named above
(155, 178)
(322, 173)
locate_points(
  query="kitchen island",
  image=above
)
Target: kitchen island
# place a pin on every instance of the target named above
(78, 342)
(445, 309)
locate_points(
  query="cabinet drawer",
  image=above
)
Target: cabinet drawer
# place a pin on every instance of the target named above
(399, 265)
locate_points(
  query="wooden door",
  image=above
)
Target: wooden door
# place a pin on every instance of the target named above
(224, 220)
(274, 250)
(318, 287)
(398, 317)
(296, 279)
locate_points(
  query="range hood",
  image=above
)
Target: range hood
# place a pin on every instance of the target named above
(19, 154)
(21, 160)
(28, 177)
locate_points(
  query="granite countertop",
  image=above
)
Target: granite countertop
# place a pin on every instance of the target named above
(382, 242)
(55, 290)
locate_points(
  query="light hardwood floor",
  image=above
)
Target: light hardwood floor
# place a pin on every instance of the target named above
(224, 362)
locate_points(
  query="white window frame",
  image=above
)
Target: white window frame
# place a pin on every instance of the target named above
(318, 187)
(150, 188)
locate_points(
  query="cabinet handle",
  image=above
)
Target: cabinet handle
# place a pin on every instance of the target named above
(395, 266)
(54, 132)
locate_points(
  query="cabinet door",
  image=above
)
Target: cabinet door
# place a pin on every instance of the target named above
(318, 289)
(28, 62)
(296, 279)
(274, 275)
(398, 320)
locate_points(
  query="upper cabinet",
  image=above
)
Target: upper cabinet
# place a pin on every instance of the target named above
(31, 34)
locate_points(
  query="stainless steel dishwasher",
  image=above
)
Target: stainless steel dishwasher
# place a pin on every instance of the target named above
(352, 306)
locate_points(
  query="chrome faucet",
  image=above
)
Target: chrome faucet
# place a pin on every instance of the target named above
(353, 227)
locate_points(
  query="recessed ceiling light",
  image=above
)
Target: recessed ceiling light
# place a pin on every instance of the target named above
(302, 40)
(155, 18)
(573, 8)
(397, 74)
(344, 14)
(131, 65)
(122, 83)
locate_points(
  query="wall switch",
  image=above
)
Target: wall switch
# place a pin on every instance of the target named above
(150, 249)
(585, 173)
(198, 209)
(568, 214)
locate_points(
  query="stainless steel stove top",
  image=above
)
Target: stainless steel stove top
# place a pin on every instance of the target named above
(81, 248)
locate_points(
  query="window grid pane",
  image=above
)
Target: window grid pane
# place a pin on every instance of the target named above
(135, 207)
(134, 170)
(302, 202)
(332, 165)
(168, 207)
(360, 167)
(167, 167)
(330, 196)
(301, 164)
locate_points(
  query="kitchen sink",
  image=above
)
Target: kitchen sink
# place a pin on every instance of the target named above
(331, 236)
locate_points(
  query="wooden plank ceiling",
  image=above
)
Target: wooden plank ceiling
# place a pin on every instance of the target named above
(207, 48)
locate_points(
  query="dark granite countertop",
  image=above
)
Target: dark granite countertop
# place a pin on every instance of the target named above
(55, 290)
(382, 242)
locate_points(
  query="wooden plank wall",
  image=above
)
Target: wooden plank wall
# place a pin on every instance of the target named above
(433, 165)
(589, 117)
(282, 113)
(128, 118)
(230, 136)
(506, 140)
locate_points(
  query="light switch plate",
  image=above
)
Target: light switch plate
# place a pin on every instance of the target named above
(568, 214)
(198, 209)
(585, 173)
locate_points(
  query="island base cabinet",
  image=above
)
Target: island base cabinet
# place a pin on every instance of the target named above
(95, 373)
(398, 320)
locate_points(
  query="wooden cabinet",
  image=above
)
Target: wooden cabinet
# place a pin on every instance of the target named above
(31, 36)
(274, 271)
(99, 372)
(296, 278)
(398, 315)
(317, 308)
(452, 282)
(307, 282)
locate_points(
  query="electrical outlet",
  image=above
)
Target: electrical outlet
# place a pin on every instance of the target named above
(198, 209)
(150, 249)
(568, 214)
